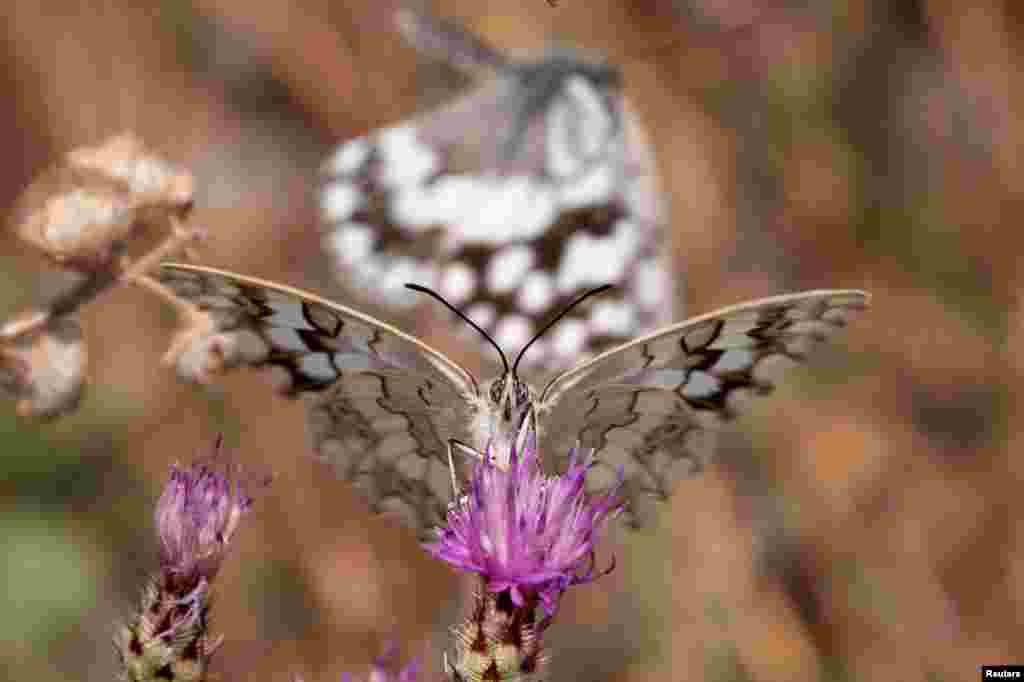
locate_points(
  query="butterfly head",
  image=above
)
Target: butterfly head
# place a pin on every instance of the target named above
(511, 416)
(508, 400)
(509, 397)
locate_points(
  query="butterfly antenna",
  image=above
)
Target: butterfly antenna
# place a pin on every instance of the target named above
(471, 323)
(558, 317)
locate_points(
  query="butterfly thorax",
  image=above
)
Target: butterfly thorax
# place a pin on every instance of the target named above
(505, 402)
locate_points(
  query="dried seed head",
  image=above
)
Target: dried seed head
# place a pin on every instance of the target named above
(153, 182)
(202, 357)
(202, 354)
(82, 227)
(45, 370)
(82, 214)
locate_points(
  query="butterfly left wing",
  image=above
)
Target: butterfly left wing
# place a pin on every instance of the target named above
(384, 404)
(652, 406)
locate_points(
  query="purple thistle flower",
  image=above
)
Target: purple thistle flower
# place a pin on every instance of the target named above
(383, 669)
(197, 514)
(525, 532)
(168, 638)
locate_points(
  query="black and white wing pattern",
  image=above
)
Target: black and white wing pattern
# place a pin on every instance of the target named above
(653, 405)
(510, 201)
(383, 404)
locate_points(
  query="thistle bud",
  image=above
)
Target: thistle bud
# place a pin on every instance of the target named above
(45, 370)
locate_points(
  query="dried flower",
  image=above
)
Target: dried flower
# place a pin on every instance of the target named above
(83, 214)
(154, 183)
(196, 516)
(45, 370)
(81, 227)
(200, 353)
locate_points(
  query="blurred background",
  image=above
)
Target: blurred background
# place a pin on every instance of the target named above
(861, 525)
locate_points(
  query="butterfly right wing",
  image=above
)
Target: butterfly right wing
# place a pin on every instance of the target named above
(652, 406)
(383, 405)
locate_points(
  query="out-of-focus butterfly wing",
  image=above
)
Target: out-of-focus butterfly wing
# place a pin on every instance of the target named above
(652, 406)
(511, 201)
(383, 404)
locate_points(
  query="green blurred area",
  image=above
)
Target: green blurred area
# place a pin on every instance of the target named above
(864, 525)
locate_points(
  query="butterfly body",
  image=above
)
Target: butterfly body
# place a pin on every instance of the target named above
(385, 407)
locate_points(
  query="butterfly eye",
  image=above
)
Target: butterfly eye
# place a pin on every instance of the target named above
(497, 388)
(521, 393)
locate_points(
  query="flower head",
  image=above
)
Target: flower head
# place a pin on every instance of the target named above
(168, 638)
(525, 532)
(197, 514)
(384, 669)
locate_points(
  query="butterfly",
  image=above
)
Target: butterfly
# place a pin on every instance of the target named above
(511, 201)
(385, 406)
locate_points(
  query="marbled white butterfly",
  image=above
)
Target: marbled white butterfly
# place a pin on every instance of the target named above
(511, 201)
(385, 406)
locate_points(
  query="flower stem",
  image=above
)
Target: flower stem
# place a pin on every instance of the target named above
(97, 282)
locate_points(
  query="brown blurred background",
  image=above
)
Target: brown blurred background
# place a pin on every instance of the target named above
(862, 525)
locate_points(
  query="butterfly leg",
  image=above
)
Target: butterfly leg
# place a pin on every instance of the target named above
(468, 451)
(464, 450)
(451, 470)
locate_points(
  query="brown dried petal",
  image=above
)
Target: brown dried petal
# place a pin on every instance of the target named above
(45, 370)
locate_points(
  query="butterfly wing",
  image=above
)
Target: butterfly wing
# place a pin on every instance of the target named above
(652, 406)
(383, 404)
(511, 201)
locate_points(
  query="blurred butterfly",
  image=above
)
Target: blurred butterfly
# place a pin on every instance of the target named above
(511, 201)
(386, 407)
